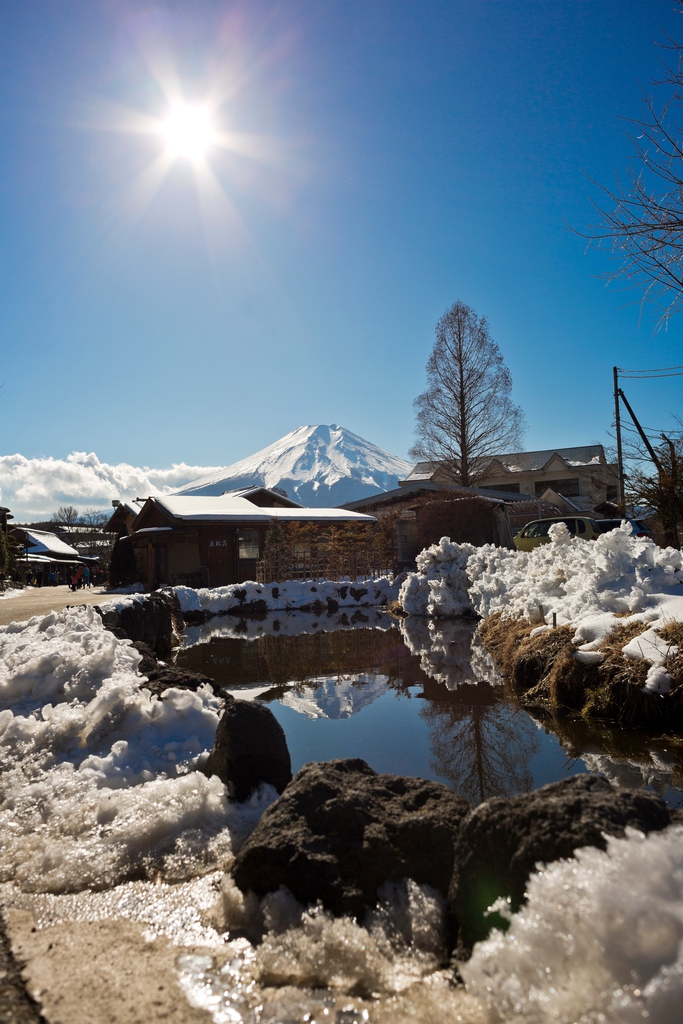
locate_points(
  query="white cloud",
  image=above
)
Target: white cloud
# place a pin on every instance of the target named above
(35, 488)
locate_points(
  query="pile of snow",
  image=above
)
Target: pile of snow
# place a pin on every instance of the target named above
(600, 940)
(11, 592)
(439, 587)
(286, 597)
(98, 778)
(134, 588)
(586, 584)
(319, 466)
(572, 577)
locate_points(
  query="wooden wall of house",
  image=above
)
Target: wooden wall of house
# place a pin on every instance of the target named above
(201, 554)
(464, 520)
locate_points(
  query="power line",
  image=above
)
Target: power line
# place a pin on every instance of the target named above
(664, 371)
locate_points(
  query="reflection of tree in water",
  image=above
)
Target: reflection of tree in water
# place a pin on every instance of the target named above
(481, 745)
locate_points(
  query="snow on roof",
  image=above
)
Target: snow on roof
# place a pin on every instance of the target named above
(41, 542)
(524, 462)
(225, 507)
(422, 471)
(254, 489)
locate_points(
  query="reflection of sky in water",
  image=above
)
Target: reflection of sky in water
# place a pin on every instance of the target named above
(418, 698)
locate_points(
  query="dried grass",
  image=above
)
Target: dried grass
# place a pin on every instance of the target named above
(543, 673)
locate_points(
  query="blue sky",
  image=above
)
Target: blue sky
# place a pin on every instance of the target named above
(415, 153)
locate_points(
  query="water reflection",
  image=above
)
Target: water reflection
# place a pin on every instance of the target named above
(417, 697)
(482, 746)
(335, 697)
(450, 651)
(626, 757)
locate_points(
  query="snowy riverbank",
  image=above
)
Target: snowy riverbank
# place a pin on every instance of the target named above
(593, 587)
(113, 849)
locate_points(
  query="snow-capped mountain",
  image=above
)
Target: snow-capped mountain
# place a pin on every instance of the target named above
(320, 466)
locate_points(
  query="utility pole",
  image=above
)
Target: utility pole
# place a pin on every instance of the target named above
(620, 457)
(642, 433)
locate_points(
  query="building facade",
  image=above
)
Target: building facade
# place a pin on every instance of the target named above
(581, 474)
(214, 541)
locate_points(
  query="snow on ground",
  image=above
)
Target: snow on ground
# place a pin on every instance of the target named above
(590, 585)
(99, 778)
(4, 594)
(439, 588)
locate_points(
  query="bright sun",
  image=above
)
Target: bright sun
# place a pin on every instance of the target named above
(188, 131)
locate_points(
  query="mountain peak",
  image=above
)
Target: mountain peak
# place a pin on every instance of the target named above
(319, 465)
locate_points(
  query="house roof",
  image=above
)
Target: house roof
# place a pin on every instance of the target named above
(579, 503)
(525, 462)
(418, 488)
(257, 491)
(233, 507)
(42, 542)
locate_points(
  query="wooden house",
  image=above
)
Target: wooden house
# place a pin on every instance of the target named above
(213, 541)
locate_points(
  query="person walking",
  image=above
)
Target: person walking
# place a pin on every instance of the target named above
(74, 581)
(86, 577)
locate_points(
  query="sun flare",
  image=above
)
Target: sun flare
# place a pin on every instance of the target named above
(188, 131)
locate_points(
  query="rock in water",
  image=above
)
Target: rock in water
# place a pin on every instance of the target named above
(341, 830)
(149, 620)
(250, 748)
(503, 839)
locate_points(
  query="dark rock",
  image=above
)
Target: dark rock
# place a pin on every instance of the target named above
(151, 620)
(250, 748)
(163, 677)
(503, 839)
(149, 661)
(341, 830)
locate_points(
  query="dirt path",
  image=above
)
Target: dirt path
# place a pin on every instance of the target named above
(41, 600)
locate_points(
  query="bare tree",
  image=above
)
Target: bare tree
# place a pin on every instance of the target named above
(66, 515)
(94, 517)
(466, 414)
(642, 218)
(660, 492)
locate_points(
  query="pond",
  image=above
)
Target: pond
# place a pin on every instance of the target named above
(413, 697)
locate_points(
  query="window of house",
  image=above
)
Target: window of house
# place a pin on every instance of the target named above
(569, 487)
(509, 488)
(248, 544)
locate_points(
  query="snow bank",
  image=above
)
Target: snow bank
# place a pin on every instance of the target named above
(98, 778)
(600, 940)
(586, 584)
(134, 588)
(439, 587)
(574, 578)
(288, 596)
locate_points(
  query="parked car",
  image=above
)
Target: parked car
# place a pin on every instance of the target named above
(536, 533)
(640, 527)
